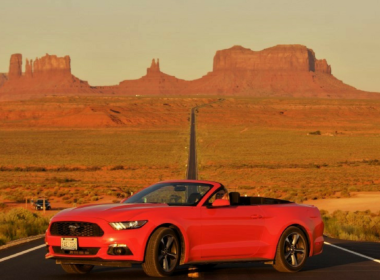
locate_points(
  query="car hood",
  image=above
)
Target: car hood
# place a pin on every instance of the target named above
(108, 212)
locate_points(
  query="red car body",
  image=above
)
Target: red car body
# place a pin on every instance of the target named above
(207, 233)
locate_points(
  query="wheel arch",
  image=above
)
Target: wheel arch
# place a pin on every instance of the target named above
(180, 235)
(303, 229)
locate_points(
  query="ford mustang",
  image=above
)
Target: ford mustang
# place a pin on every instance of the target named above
(185, 222)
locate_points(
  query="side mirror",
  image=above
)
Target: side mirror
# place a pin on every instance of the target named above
(221, 202)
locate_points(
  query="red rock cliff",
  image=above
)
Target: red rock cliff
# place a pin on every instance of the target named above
(28, 69)
(281, 71)
(3, 78)
(15, 64)
(278, 58)
(52, 65)
(46, 75)
(153, 83)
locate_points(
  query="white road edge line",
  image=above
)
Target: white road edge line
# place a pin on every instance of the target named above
(352, 252)
(22, 253)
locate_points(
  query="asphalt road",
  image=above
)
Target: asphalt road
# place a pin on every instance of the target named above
(192, 168)
(333, 263)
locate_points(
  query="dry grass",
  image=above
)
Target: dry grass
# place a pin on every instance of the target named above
(358, 225)
(264, 146)
(86, 149)
(259, 146)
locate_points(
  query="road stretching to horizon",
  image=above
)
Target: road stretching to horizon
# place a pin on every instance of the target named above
(340, 259)
(192, 166)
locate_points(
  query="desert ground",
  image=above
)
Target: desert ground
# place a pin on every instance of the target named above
(77, 150)
(361, 201)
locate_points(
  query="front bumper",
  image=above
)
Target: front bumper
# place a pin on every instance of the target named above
(99, 249)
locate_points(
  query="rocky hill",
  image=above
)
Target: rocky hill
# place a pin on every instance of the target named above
(3, 78)
(283, 70)
(280, 71)
(153, 83)
(46, 75)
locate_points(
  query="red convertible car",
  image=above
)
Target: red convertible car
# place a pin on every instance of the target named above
(185, 222)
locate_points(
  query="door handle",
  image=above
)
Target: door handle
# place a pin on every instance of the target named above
(256, 216)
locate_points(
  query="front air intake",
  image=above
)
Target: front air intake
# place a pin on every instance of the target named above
(83, 229)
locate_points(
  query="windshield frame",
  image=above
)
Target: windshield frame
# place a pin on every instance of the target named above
(139, 197)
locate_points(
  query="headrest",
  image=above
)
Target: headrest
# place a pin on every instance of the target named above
(234, 198)
(194, 197)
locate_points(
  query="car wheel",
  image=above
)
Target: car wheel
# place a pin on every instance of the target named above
(292, 251)
(77, 268)
(162, 253)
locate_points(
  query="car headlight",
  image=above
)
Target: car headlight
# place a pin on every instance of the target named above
(127, 225)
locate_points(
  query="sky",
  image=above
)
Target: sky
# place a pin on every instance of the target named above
(114, 40)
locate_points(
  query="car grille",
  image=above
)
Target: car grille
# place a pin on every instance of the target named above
(76, 229)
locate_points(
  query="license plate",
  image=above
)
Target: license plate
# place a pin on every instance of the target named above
(69, 243)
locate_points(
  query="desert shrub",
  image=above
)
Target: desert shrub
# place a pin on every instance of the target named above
(93, 168)
(359, 225)
(19, 222)
(4, 168)
(117, 167)
(34, 169)
(16, 197)
(315, 133)
(345, 193)
(63, 180)
(80, 201)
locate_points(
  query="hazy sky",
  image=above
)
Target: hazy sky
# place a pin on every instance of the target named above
(110, 41)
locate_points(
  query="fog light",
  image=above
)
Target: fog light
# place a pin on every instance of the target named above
(119, 250)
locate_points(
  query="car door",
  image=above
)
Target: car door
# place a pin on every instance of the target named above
(231, 231)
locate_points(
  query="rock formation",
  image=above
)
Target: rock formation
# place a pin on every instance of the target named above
(15, 71)
(280, 58)
(28, 69)
(280, 71)
(283, 70)
(153, 83)
(51, 64)
(46, 75)
(3, 78)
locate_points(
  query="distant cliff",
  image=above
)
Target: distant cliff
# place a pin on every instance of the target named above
(3, 78)
(46, 75)
(279, 71)
(280, 58)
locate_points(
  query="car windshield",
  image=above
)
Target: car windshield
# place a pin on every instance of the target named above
(179, 194)
(41, 201)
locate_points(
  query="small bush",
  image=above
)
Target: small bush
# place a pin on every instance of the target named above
(359, 225)
(118, 167)
(62, 180)
(93, 168)
(19, 223)
(315, 133)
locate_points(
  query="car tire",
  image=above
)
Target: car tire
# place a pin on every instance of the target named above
(162, 253)
(77, 268)
(292, 250)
